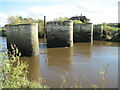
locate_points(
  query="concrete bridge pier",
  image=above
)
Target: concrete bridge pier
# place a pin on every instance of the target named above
(25, 37)
(59, 34)
(97, 32)
(83, 32)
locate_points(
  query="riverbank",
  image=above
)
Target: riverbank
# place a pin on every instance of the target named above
(111, 33)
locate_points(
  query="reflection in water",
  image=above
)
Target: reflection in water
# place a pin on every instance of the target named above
(84, 49)
(82, 59)
(33, 67)
(106, 43)
(3, 44)
(60, 57)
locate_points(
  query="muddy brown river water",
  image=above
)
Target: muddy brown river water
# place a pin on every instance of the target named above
(80, 65)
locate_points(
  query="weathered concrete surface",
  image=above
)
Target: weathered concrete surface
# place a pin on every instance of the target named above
(97, 32)
(25, 37)
(60, 34)
(83, 32)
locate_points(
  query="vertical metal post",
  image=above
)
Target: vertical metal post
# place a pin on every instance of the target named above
(45, 42)
(45, 29)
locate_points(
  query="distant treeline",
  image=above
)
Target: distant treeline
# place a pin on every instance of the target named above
(117, 25)
(114, 24)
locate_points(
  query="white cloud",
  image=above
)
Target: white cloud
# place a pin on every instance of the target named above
(3, 19)
(19, 13)
(115, 0)
(98, 13)
(51, 12)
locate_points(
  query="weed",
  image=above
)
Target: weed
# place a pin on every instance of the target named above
(14, 72)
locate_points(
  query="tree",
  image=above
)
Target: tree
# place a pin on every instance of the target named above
(15, 20)
(30, 20)
(20, 20)
(12, 19)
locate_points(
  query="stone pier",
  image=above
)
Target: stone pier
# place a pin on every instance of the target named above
(25, 37)
(83, 32)
(59, 34)
(97, 32)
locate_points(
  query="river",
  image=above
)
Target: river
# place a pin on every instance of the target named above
(80, 65)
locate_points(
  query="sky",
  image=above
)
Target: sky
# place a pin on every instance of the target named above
(98, 11)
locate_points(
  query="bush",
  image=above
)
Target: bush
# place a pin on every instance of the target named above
(110, 33)
(14, 72)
